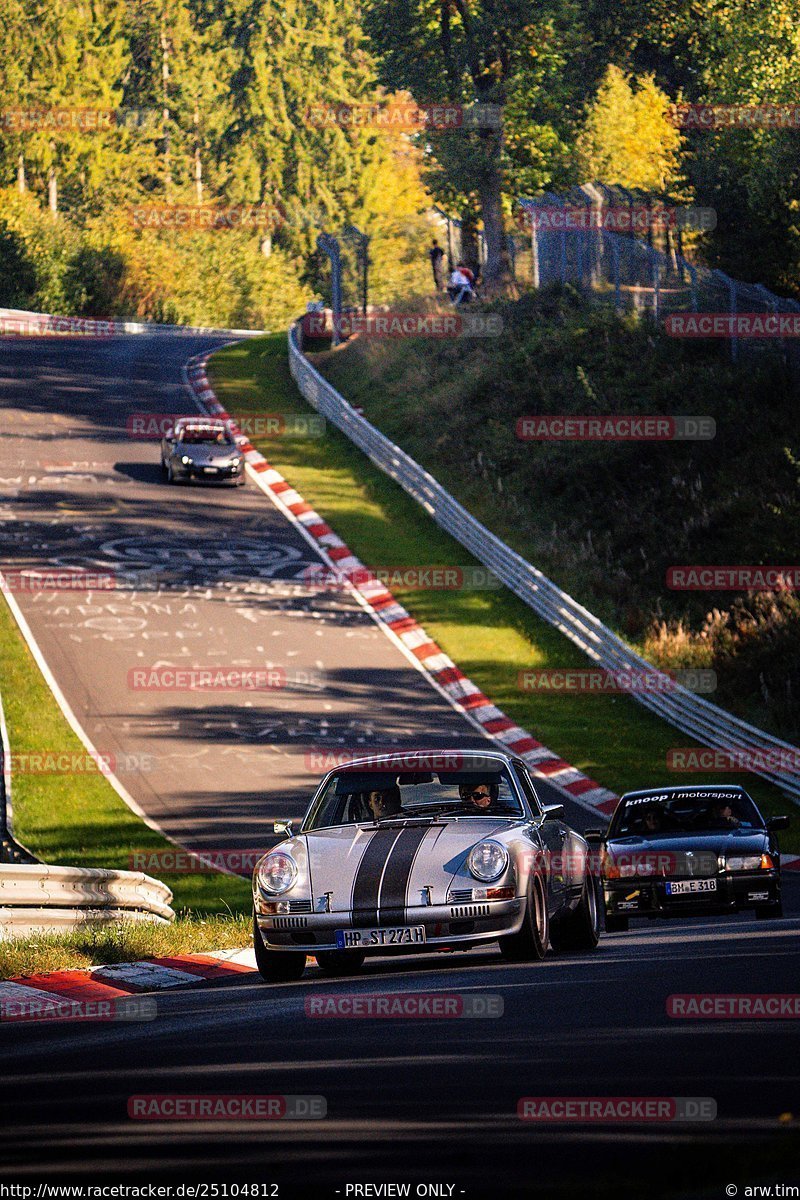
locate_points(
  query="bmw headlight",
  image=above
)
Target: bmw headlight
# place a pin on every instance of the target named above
(277, 873)
(749, 862)
(187, 462)
(487, 860)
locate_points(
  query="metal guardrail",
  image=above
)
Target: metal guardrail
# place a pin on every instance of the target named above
(40, 885)
(22, 322)
(773, 759)
(40, 896)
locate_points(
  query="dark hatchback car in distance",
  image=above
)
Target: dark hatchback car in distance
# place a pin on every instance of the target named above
(203, 449)
(688, 851)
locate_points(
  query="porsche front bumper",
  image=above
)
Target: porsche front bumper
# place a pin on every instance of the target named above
(445, 925)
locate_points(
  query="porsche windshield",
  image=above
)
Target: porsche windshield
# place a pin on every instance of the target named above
(702, 811)
(376, 795)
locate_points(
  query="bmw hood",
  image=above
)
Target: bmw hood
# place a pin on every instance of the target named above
(378, 872)
(689, 854)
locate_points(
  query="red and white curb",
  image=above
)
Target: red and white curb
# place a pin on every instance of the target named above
(102, 992)
(462, 693)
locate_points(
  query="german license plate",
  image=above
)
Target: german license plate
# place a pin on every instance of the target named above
(211, 470)
(683, 887)
(362, 939)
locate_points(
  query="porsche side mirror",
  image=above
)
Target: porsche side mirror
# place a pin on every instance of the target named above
(593, 836)
(775, 823)
(554, 812)
(284, 827)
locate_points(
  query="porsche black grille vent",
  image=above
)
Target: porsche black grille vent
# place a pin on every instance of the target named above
(300, 906)
(460, 895)
(470, 910)
(289, 922)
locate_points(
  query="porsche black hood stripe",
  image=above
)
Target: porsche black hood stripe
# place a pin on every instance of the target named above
(397, 875)
(367, 882)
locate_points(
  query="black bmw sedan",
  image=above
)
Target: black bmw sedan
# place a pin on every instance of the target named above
(688, 851)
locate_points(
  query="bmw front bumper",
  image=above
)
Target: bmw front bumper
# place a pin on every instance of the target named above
(649, 897)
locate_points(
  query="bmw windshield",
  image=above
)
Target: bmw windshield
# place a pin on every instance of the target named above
(689, 812)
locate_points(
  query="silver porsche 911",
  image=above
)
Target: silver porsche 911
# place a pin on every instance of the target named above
(421, 851)
(204, 449)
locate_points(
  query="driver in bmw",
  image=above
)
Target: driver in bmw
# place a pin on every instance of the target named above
(478, 798)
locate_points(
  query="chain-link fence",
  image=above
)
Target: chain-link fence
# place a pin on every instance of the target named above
(578, 239)
(349, 258)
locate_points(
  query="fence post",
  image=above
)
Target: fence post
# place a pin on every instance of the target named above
(534, 248)
(656, 276)
(361, 242)
(731, 286)
(329, 245)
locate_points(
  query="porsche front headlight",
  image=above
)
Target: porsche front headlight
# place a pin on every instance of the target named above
(277, 873)
(187, 462)
(487, 861)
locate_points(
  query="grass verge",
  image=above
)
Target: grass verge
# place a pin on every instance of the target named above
(126, 941)
(490, 634)
(79, 820)
(609, 519)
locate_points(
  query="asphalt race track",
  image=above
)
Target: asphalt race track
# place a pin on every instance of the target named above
(417, 1100)
(433, 1099)
(208, 577)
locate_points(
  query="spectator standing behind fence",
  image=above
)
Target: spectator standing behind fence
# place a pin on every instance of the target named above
(436, 254)
(460, 287)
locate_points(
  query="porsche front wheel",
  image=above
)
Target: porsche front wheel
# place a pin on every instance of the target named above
(276, 966)
(580, 928)
(530, 943)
